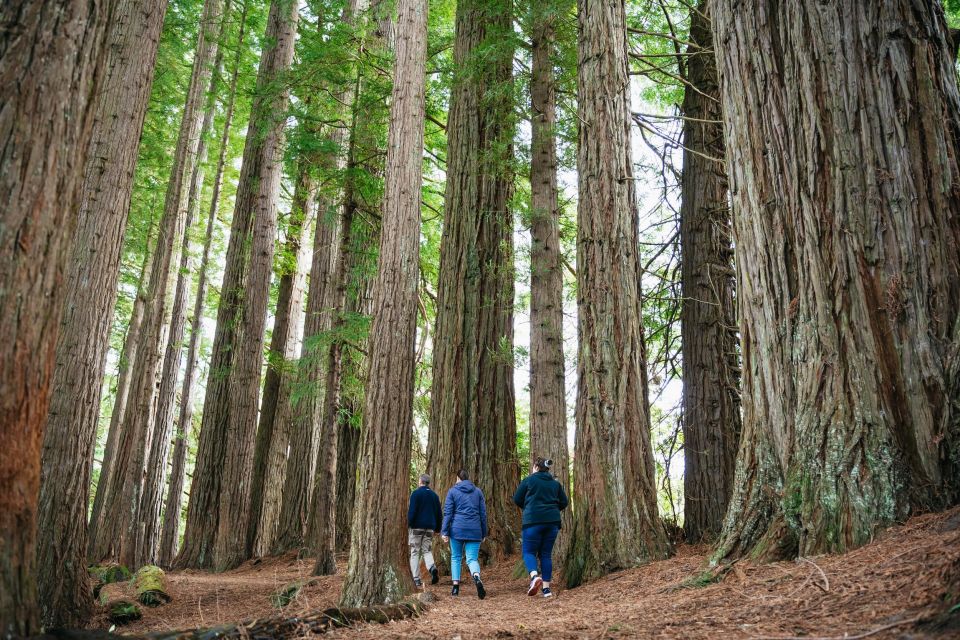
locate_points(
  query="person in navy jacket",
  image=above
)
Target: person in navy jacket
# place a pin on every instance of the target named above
(542, 498)
(423, 520)
(465, 527)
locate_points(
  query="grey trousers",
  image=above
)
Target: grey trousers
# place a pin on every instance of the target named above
(421, 546)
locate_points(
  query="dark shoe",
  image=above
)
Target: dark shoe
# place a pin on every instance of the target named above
(418, 583)
(547, 593)
(481, 592)
(456, 590)
(535, 583)
(434, 575)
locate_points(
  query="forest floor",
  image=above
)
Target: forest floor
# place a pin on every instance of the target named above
(895, 587)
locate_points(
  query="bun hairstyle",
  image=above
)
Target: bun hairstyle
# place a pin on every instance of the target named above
(544, 464)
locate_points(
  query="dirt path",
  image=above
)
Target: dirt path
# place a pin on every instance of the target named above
(888, 583)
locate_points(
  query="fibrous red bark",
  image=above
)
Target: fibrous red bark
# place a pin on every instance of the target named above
(843, 135)
(51, 62)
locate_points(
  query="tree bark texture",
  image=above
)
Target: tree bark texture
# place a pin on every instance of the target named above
(843, 131)
(273, 437)
(472, 421)
(90, 287)
(218, 512)
(51, 62)
(348, 445)
(708, 320)
(548, 402)
(121, 529)
(616, 521)
(377, 571)
(169, 537)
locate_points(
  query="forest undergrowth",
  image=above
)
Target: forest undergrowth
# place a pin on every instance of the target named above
(905, 584)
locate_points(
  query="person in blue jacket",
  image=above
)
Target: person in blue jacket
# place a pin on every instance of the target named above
(423, 520)
(542, 498)
(465, 527)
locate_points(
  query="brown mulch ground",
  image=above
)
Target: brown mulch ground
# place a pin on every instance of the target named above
(890, 588)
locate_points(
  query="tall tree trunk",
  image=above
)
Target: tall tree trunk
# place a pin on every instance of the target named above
(269, 458)
(615, 519)
(120, 531)
(218, 513)
(171, 521)
(843, 132)
(708, 321)
(51, 59)
(548, 402)
(348, 444)
(125, 367)
(91, 293)
(472, 421)
(377, 571)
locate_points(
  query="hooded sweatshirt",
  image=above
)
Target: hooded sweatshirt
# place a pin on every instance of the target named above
(542, 498)
(465, 513)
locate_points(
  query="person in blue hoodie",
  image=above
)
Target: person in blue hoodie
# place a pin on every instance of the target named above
(465, 527)
(542, 498)
(423, 520)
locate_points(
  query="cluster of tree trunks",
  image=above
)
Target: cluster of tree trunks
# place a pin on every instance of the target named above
(846, 225)
(90, 285)
(218, 512)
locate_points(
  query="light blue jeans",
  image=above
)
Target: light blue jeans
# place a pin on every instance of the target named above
(457, 548)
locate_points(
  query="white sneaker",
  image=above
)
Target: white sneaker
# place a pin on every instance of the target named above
(535, 583)
(547, 593)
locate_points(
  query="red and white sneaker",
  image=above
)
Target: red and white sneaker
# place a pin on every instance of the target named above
(535, 583)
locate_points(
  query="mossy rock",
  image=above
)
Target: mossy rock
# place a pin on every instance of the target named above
(123, 611)
(110, 573)
(151, 585)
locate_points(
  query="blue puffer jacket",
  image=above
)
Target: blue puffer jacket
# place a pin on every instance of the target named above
(465, 513)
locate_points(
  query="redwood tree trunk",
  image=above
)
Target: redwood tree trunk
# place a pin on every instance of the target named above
(169, 537)
(218, 513)
(348, 444)
(121, 526)
(51, 60)
(472, 421)
(843, 131)
(377, 571)
(548, 402)
(91, 292)
(708, 321)
(616, 522)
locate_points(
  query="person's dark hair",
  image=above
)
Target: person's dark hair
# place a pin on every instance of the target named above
(543, 464)
(463, 474)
